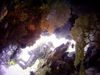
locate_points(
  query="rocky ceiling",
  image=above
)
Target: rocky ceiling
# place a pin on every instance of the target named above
(22, 21)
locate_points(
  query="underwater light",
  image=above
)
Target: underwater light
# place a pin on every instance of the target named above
(28, 53)
(17, 70)
(25, 56)
(43, 40)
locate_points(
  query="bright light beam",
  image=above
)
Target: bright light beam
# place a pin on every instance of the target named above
(17, 70)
